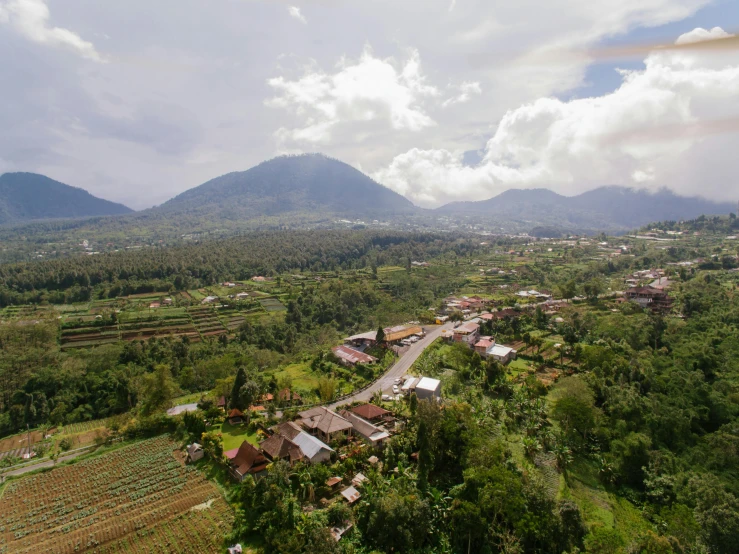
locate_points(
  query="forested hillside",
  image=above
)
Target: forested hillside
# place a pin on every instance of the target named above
(602, 209)
(198, 264)
(309, 184)
(29, 196)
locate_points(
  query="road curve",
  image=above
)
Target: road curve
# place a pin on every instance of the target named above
(398, 369)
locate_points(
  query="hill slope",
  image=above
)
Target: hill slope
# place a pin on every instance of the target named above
(307, 184)
(604, 208)
(30, 196)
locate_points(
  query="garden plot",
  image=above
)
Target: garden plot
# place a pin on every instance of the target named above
(139, 498)
(272, 304)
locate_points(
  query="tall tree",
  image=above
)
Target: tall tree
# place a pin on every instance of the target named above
(239, 382)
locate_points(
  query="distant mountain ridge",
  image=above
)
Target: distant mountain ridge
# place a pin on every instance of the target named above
(30, 196)
(307, 184)
(604, 208)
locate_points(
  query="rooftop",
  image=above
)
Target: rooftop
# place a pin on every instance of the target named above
(369, 411)
(352, 356)
(324, 420)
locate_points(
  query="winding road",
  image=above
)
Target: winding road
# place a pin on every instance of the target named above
(398, 369)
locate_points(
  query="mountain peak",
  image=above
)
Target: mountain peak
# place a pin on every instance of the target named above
(305, 183)
(28, 196)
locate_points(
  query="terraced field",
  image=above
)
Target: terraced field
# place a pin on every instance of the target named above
(139, 498)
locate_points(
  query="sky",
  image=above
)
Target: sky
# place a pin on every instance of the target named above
(440, 100)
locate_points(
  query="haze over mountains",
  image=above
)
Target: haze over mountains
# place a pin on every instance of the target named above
(30, 196)
(308, 183)
(313, 189)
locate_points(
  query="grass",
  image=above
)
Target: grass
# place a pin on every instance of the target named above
(300, 375)
(234, 435)
(188, 398)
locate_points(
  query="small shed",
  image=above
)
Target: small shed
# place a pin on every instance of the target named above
(351, 495)
(194, 452)
(235, 416)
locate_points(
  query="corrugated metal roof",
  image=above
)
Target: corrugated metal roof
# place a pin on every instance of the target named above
(309, 444)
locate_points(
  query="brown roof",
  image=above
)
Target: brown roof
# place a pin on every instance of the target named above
(483, 344)
(235, 412)
(324, 420)
(284, 394)
(468, 327)
(370, 411)
(331, 481)
(221, 402)
(288, 430)
(645, 291)
(352, 356)
(248, 459)
(267, 397)
(279, 447)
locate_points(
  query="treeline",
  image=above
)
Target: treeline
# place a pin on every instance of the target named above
(201, 264)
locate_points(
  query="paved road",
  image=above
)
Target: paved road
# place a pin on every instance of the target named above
(398, 369)
(49, 463)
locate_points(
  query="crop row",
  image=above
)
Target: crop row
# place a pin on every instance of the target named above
(101, 500)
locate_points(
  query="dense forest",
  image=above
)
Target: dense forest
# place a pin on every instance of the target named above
(197, 264)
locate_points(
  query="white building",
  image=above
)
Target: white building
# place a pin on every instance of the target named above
(424, 387)
(500, 353)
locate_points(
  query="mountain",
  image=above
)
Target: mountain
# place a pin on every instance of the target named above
(605, 208)
(311, 185)
(30, 196)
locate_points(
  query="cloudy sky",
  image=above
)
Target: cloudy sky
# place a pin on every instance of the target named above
(440, 100)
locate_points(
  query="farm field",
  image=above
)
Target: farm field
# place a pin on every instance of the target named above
(139, 498)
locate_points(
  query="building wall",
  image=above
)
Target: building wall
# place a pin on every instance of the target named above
(422, 394)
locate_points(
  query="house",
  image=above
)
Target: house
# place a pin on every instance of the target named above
(441, 319)
(500, 353)
(167, 301)
(351, 495)
(279, 447)
(481, 346)
(349, 356)
(209, 299)
(424, 387)
(258, 279)
(154, 305)
(221, 403)
(242, 295)
(247, 461)
(467, 332)
(370, 412)
(324, 423)
(649, 297)
(194, 452)
(314, 450)
(428, 388)
(235, 416)
(373, 435)
(289, 429)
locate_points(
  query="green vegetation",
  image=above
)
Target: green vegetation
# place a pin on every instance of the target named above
(614, 430)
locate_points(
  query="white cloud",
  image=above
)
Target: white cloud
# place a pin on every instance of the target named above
(650, 132)
(31, 19)
(368, 89)
(464, 93)
(294, 11)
